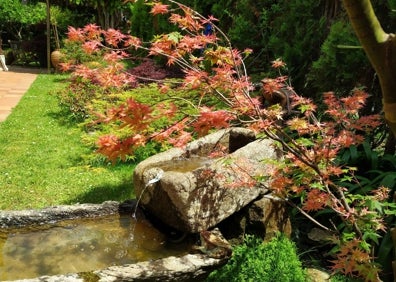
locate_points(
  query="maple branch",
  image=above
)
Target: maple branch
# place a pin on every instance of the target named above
(182, 99)
(347, 208)
(310, 217)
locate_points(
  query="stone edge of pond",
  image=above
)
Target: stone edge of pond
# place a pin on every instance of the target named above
(191, 267)
(21, 218)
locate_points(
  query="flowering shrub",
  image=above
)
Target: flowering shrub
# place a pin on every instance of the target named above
(309, 168)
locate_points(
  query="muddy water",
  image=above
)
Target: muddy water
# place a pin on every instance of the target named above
(80, 245)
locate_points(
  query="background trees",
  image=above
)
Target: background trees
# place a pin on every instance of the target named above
(109, 13)
(16, 17)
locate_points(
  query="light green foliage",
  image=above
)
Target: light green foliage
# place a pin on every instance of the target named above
(255, 260)
(147, 94)
(16, 17)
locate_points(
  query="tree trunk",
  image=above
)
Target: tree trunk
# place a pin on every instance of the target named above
(380, 48)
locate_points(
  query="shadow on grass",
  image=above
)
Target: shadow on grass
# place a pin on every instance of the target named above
(61, 79)
(65, 118)
(100, 194)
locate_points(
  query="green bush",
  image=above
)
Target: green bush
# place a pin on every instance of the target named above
(254, 260)
(373, 169)
(342, 64)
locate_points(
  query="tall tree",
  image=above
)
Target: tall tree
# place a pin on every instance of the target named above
(109, 12)
(380, 48)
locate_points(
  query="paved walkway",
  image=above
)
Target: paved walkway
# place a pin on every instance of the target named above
(13, 85)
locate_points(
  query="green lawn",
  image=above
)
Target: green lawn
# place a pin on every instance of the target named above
(41, 160)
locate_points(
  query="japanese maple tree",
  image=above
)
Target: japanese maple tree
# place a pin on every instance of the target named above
(212, 67)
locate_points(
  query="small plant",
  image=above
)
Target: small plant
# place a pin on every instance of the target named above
(255, 260)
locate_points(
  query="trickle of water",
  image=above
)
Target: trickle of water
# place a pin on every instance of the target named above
(151, 181)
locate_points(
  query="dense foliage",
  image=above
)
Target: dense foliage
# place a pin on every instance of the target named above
(276, 260)
(16, 17)
(311, 140)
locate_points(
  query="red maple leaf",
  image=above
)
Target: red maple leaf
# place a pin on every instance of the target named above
(209, 119)
(75, 35)
(132, 41)
(278, 63)
(113, 37)
(316, 200)
(159, 8)
(92, 31)
(90, 47)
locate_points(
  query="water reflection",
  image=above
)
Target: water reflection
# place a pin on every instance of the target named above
(81, 245)
(185, 164)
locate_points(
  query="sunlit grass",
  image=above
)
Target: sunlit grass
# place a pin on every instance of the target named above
(41, 160)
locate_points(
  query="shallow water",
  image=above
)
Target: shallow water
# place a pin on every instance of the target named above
(81, 245)
(185, 164)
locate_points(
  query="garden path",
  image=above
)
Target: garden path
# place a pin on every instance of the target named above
(13, 85)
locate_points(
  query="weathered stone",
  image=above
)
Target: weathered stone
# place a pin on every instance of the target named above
(263, 218)
(320, 235)
(11, 219)
(214, 244)
(270, 215)
(316, 275)
(191, 267)
(197, 197)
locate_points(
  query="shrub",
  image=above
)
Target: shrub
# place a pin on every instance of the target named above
(341, 45)
(254, 260)
(374, 169)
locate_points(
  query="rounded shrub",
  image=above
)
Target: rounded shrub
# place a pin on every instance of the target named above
(256, 260)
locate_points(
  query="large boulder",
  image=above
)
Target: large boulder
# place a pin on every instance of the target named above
(191, 191)
(264, 218)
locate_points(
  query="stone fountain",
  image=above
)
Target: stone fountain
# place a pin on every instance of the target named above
(204, 189)
(195, 192)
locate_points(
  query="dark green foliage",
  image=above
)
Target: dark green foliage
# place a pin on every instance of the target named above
(342, 278)
(143, 24)
(257, 261)
(141, 21)
(297, 30)
(373, 171)
(342, 64)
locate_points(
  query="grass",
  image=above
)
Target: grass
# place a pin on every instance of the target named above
(42, 160)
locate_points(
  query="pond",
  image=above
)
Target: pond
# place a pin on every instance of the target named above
(81, 245)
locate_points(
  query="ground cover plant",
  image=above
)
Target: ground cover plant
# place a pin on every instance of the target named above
(254, 260)
(310, 176)
(42, 158)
